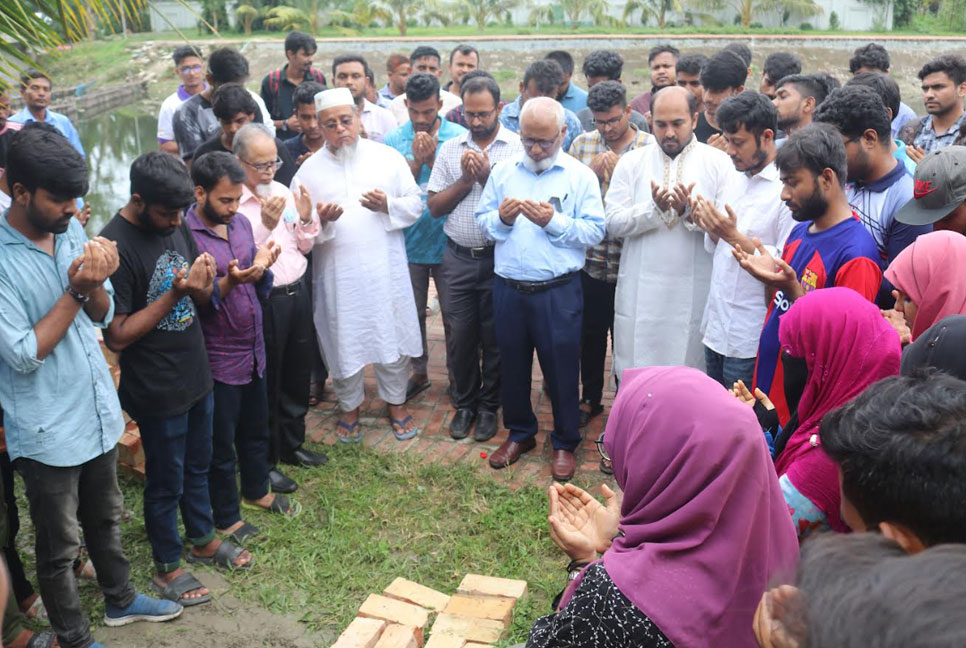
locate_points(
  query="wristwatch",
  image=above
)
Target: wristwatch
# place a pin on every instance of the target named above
(574, 569)
(80, 298)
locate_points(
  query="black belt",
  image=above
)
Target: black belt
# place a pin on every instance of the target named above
(531, 287)
(485, 252)
(288, 289)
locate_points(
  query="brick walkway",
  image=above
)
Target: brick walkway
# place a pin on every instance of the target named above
(433, 411)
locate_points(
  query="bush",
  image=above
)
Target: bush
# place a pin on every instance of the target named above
(833, 21)
(806, 26)
(756, 25)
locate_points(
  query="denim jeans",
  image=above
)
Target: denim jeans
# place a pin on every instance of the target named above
(728, 371)
(177, 456)
(59, 498)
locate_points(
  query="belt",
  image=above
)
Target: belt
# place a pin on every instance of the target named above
(288, 289)
(485, 252)
(531, 287)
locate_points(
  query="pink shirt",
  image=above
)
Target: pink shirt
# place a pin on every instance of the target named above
(295, 238)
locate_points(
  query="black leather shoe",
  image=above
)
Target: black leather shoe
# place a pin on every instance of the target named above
(459, 427)
(280, 483)
(306, 458)
(486, 426)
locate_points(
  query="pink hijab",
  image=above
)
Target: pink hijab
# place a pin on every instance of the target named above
(931, 271)
(847, 345)
(706, 530)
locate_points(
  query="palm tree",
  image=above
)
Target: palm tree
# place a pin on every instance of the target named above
(748, 10)
(573, 11)
(285, 18)
(246, 15)
(361, 15)
(656, 9)
(482, 12)
(402, 10)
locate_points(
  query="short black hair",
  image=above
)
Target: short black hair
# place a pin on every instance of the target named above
(185, 51)
(350, 58)
(480, 81)
(883, 85)
(692, 100)
(603, 63)
(816, 147)
(162, 179)
(564, 59)
(952, 64)
(901, 447)
(231, 99)
(750, 109)
(420, 87)
(31, 74)
(227, 65)
(605, 95)
(546, 74)
(297, 41)
(465, 50)
(208, 170)
(40, 159)
(779, 65)
(305, 93)
(424, 51)
(724, 70)
(742, 50)
(855, 109)
(660, 49)
(872, 56)
(691, 64)
(818, 86)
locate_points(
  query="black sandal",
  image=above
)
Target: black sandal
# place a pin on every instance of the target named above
(585, 416)
(176, 589)
(225, 556)
(244, 534)
(43, 639)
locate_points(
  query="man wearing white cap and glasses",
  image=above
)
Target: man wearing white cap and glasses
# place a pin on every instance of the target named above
(364, 195)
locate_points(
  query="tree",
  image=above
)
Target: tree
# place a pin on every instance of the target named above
(361, 15)
(656, 9)
(285, 18)
(749, 10)
(400, 10)
(573, 11)
(246, 15)
(483, 12)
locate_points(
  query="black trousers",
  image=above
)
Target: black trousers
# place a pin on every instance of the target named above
(598, 322)
(287, 318)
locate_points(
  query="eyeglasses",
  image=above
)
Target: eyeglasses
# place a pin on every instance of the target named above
(608, 122)
(345, 122)
(189, 68)
(264, 167)
(600, 447)
(545, 144)
(470, 116)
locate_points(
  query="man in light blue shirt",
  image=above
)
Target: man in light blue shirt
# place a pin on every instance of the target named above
(543, 210)
(62, 414)
(570, 96)
(35, 90)
(542, 79)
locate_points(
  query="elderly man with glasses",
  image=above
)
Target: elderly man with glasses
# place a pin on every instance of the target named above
(274, 214)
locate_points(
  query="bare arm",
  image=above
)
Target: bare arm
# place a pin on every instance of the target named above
(445, 201)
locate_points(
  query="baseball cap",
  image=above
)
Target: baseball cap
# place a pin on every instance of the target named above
(939, 189)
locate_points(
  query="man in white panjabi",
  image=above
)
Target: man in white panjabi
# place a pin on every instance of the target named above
(665, 271)
(364, 311)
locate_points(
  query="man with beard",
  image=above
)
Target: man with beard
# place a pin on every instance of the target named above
(661, 61)
(543, 210)
(827, 247)
(798, 96)
(943, 88)
(62, 415)
(753, 208)
(365, 312)
(277, 215)
(663, 261)
(722, 78)
(349, 71)
(419, 140)
(462, 168)
(165, 377)
(311, 139)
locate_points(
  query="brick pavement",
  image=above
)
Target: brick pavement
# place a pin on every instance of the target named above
(433, 411)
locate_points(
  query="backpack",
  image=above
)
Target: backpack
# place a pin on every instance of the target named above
(275, 79)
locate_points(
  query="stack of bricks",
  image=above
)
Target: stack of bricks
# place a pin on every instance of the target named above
(477, 616)
(130, 454)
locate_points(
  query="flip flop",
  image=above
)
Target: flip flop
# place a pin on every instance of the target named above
(43, 639)
(280, 504)
(224, 557)
(244, 534)
(405, 434)
(176, 589)
(354, 435)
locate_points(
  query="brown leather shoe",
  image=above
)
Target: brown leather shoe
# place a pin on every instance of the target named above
(562, 465)
(509, 452)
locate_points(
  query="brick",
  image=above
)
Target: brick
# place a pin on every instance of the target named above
(477, 630)
(400, 636)
(361, 633)
(443, 640)
(497, 608)
(471, 644)
(492, 586)
(394, 611)
(410, 592)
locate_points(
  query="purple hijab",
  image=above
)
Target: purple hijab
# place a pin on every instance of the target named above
(706, 529)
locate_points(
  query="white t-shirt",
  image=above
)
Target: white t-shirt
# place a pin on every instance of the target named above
(166, 114)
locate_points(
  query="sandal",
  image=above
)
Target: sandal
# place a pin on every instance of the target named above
(587, 415)
(316, 390)
(280, 504)
(35, 609)
(354, 432)
(44, 639)
(176, 589)
(225, 556)
(606, 467)
(404, 434)
(244, 534)
(413, 388)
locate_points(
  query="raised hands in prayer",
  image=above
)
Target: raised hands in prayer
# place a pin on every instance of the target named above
(744, 395)
(303, 203)
(603, 164)
(579, 524)
(771, 271)
(264, 258)
(779, 621)
(424, 148)
(475, 167)
(195, 280)
(509, 210)
(898, 322)
(376, 200)
(718, 141)
(676, 197)
(84, 215)
(915, 153)
(328, 212)
(302, 158)
(272, 208)
(539, 213)
(87, 272)
(720, 225)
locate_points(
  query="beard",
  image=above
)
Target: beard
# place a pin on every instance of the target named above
(539, 166)
(213, 216)
(36, 218)
(347, 152)
(672, 145)
(813, 207)
(756, 164)
(484, 132)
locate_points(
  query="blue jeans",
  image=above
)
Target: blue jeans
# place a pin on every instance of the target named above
(177, 455)
(728, 371)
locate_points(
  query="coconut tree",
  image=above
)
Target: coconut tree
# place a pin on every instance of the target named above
(750, 10)
(648, 9)
(285, 18)
(246, 15)
(483, 12)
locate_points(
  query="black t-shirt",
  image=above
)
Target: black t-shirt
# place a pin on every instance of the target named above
(296, 147)
(283, 174)
(704, 129)
(5, 142)
(165, 372)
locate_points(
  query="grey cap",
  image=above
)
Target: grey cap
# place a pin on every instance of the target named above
(940, 187)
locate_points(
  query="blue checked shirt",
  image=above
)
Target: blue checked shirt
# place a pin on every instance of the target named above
(930, 141)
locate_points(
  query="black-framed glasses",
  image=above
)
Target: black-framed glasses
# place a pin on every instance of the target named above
(265, 167)
(600, 447)
(472, 116)
(608, 122)
(545, 144)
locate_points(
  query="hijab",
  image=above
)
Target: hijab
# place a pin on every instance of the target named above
(942, 345)
(930, 271)
(847, 345)
(706, 529)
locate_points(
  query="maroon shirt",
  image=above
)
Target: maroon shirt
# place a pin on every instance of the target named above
(233, 325)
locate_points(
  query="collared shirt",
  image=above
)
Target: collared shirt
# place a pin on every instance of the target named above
(460, 225)
(510, 117)
(62, 410)
(736, 307)
(398, 106)
(295, 239)
(876, 205)
(929, 140)
(525, 251)
(603, 260)
(59, 121)
(232, 324)
(425, 240)
(377, 121)
(386, 93)
(575, 99)
(277, 92)
(905, 115)
(166, 114)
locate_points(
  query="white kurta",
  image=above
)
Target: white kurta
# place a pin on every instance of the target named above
(665, 270)
(364, 309)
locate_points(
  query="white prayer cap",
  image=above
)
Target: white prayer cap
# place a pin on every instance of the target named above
(334, 97)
